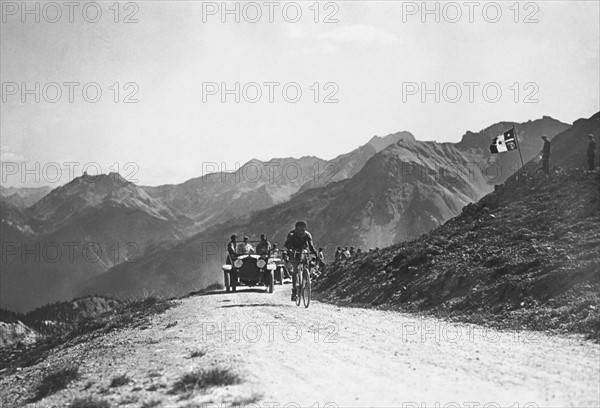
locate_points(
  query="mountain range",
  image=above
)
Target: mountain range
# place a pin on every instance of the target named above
(82, 229)
(401, 191)
(170, 239)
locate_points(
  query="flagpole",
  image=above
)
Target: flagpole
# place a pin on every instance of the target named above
(518, 147)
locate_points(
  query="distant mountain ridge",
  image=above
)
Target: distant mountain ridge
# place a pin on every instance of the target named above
(216, 197)
(94, 191)
(24, 196)
(380, 143)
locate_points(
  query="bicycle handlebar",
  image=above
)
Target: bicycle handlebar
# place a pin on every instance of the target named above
(296, 252)
(304, 254)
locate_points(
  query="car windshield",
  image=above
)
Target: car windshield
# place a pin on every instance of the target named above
(245, 248)
(254, 247)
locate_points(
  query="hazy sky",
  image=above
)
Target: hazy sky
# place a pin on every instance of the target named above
(369, 61)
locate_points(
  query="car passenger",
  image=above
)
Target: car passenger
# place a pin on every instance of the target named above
(263, 247)
(231, 246)
(245, 248)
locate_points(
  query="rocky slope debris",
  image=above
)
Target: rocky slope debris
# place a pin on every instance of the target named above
(526, 255)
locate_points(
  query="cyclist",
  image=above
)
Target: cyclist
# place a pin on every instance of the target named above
(298, 240)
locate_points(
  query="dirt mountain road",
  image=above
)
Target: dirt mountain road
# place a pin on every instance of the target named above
(347, 357)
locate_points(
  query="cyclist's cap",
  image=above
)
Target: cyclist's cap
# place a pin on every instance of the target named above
(262, 236)
(544, 137)
(233, 236)
(591, 136)
(246, 238)
(301, 224)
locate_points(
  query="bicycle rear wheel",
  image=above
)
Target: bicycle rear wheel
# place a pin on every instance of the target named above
(306, 287)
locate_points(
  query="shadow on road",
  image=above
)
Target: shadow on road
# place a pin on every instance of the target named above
(223, 292)
(205, 293)
(256, 305)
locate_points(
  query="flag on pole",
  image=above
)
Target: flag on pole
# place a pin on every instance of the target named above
(504, 142)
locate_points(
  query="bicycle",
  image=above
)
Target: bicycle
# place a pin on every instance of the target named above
(303, 281)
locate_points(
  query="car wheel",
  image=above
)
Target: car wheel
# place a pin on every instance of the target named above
(278, 275)
(271, 282)
(227, 282)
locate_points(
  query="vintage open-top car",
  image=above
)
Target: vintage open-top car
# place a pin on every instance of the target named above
(250, 269)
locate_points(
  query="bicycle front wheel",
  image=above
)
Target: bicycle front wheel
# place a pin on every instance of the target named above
(299, 287)
(306, 287)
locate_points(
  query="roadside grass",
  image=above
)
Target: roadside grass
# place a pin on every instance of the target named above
(130, 401)
(55, 381)
(200, 380)
(248, 400)
(197, 353)
(214, 286)
(133, 313)
(119, 381)
(151, 404)
(89, 402)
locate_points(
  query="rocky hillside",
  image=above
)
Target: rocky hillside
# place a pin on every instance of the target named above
(69, 311)
(526, 255)
(13, 218)
(26, 328)
(16, 333)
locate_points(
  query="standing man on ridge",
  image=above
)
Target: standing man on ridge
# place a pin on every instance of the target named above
(546, 155)
(338, 254)
(591, 153)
